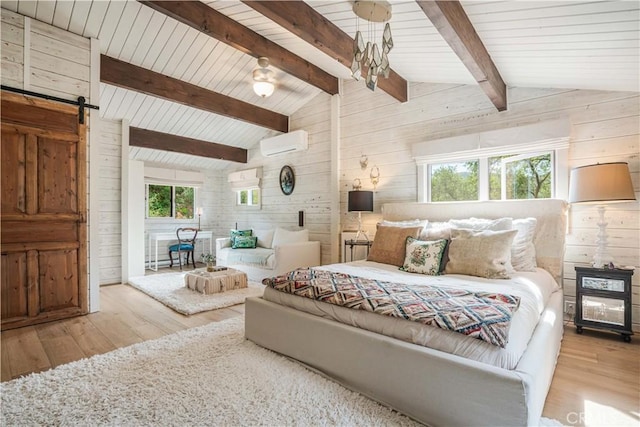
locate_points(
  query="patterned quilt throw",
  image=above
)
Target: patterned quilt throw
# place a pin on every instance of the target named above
(482, 315)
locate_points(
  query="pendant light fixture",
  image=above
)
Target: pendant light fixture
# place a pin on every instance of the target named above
(370, 56)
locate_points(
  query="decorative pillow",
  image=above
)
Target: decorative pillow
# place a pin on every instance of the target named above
(410, 223)
(282, 236)
(423, 257)
(389, 244)
(236, 233)
(480, 253)
(479, 224)
(265, 237)
(436, 231)
(244, 242)
(523, 252)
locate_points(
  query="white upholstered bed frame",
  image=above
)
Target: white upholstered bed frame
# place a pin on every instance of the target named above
(433, 387)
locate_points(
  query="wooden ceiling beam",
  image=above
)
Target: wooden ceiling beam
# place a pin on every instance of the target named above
(179, 144)
(454, 26)
(302, 20)
(214, 24)
(129, 76)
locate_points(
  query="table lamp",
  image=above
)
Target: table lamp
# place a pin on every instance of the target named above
(360, 201)
(199, 212)
(601, 184)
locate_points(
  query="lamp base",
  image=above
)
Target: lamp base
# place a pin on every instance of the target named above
(601, 258)
(361, 232)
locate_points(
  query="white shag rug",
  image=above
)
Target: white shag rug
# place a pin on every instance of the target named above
(203, 376)
(169, 289)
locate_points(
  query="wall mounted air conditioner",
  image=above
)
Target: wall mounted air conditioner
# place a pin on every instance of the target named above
(297, 140)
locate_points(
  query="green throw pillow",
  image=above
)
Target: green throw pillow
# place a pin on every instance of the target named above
(236, 233)
(245, 242)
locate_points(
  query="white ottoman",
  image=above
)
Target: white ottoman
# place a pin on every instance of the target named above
(215, 282)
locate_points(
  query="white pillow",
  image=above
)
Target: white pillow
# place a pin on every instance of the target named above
(523, 252)
(282, 236)
(436, 231)
(481, 224)
(265, 237)
(409, 223)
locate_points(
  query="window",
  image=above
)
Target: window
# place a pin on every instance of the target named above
(454, 181)
(496, 177)
(248, 197)
(523, 162)
(169, 201)
(526, 176)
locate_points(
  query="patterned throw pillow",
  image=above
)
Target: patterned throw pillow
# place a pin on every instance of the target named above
(236, 233)
(244, 242)
(423, 256)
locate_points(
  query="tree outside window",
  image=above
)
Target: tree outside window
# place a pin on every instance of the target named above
(167, 201)
(184, 202)
(525, 177)
(248, 197)
(513, 176)
(454, 181)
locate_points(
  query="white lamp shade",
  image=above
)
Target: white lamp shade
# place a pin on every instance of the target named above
(263, 89)
(601, 183)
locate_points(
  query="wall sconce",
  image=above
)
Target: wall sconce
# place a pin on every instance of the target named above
(364, 162)
(375, 176)
(357, 184)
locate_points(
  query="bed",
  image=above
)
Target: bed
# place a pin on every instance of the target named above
(434, 386)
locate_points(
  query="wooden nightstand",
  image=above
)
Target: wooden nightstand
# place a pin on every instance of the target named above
(603, 300)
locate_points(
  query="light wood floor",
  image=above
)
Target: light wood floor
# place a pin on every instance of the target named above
(597, 380)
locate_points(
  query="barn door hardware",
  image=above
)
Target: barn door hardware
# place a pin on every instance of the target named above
(80, 102)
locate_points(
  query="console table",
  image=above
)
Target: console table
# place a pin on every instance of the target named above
(154, 238)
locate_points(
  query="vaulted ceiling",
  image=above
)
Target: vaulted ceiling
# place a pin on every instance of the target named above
(563, 44)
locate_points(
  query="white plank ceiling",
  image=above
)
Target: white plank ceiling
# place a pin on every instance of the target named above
(559, 44)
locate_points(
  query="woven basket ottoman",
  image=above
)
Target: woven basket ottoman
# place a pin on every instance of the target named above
(215, 282)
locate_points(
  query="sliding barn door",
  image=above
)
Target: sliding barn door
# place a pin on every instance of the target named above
(43, 212)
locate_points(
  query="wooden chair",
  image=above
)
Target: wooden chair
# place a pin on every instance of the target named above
(186, 244)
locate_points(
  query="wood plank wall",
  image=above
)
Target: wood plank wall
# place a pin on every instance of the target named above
(109, 176)
(311, 194)
(605, 128)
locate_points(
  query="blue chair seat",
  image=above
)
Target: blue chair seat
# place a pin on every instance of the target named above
(183, 247)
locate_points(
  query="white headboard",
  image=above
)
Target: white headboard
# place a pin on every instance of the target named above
(550, 213)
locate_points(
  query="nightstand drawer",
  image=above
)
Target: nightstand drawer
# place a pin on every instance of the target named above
(602, 284)
(603, 310)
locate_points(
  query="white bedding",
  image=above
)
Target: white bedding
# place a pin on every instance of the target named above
(534, 289)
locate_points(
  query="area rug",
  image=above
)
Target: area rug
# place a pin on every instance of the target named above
(169, 289)
(206, 376)
(203, 376)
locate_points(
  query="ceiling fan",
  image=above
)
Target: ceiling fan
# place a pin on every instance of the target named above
(263, 78)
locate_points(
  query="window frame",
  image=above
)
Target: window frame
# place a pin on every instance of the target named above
(430, 172)
(173, 203)
(249, 203)
(520, 157)
(559, 169)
